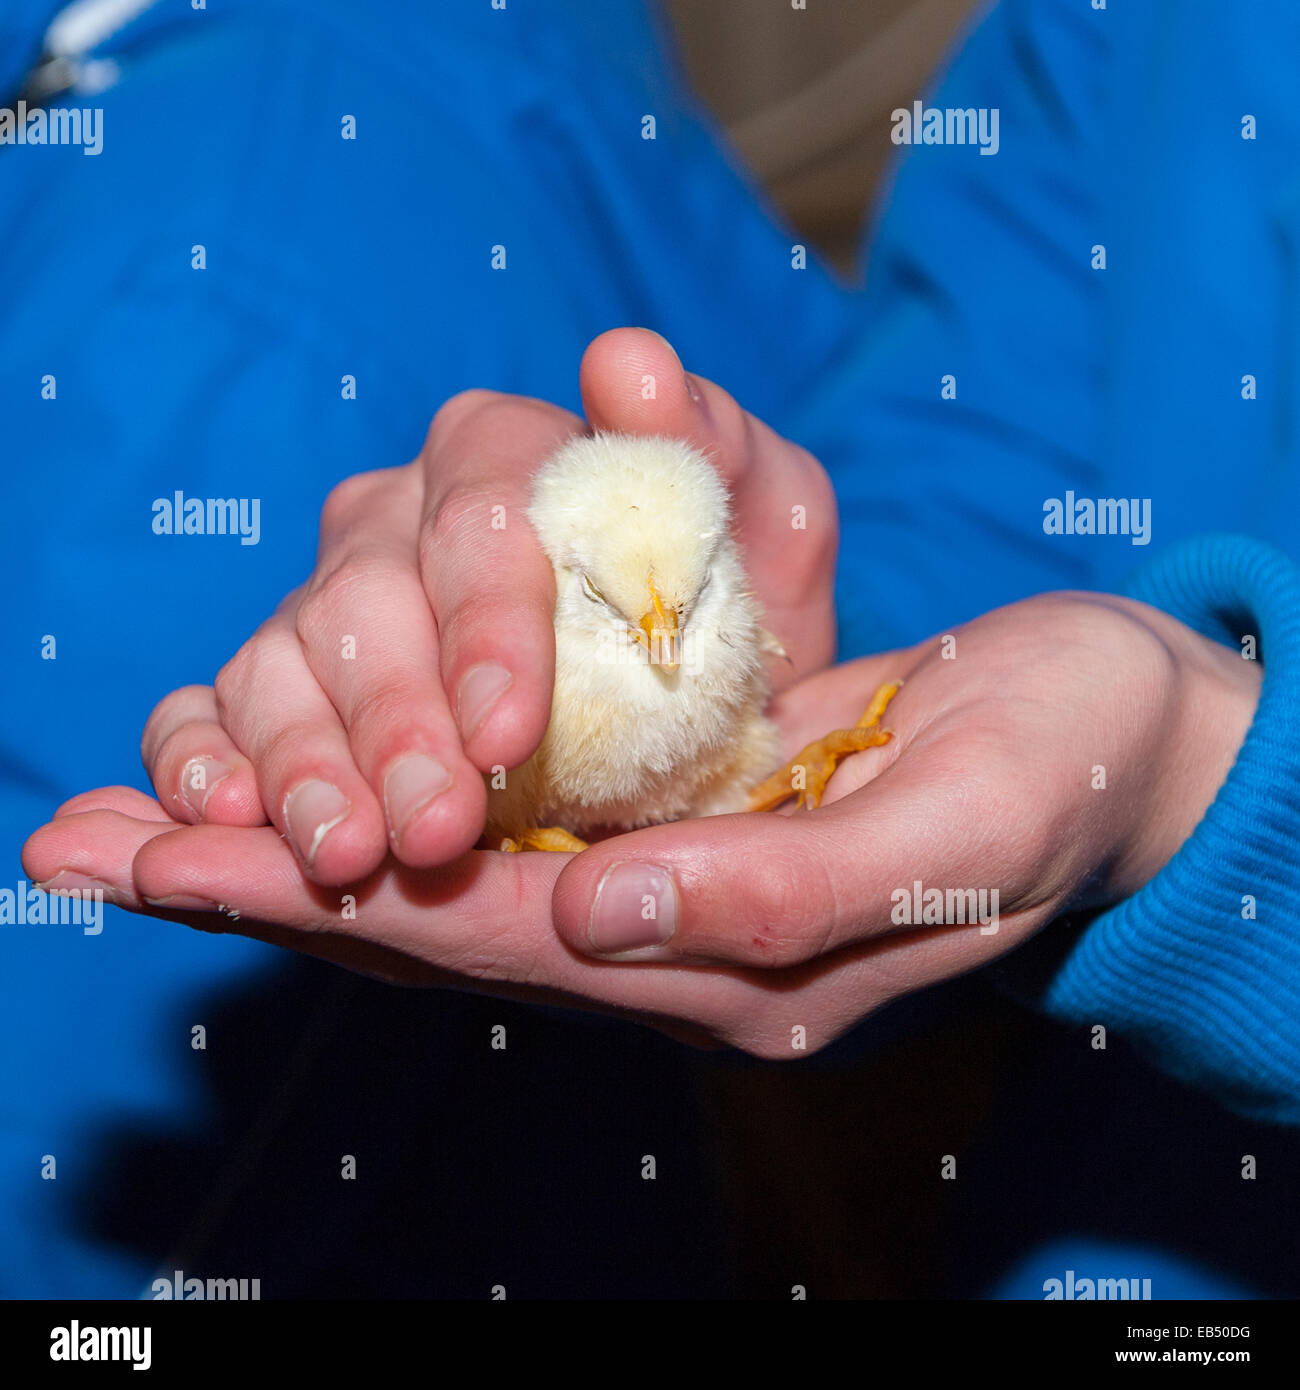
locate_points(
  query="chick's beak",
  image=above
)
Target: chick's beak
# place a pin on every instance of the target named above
(659, 634)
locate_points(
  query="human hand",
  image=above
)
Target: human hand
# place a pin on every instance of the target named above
(420, 653)
(778, 922)
(1052, 755)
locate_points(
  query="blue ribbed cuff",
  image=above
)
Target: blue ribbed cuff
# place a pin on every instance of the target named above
(1183, 969)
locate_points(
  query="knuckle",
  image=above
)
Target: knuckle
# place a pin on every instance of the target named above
(345, 499)
(334, 595)
(231, 680)
(454, 411)
(496, 415)
(462, 520)
(257, 665)
(383, 706)
(313, 615)
(789, 926)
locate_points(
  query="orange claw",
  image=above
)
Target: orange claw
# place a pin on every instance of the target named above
(819, 759)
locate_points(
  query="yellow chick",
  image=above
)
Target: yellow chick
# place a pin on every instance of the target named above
(660, 691)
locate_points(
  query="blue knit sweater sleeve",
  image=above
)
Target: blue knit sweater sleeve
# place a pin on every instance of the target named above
(1201, 968)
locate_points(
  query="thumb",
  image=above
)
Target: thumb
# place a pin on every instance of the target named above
(772, 891)
(633, 382)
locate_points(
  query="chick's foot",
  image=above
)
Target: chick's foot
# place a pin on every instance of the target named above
(805, 776)
(549, 837)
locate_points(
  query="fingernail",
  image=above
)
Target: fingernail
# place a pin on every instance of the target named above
(311, 811)
(692, 390)
(480, 688)
(199, 779)
(69, 880)
(635, 908)
(410, 785)
(183, 902)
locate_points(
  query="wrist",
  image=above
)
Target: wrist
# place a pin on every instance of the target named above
(1201, 727)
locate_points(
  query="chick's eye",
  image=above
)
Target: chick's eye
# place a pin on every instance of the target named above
(591, 591)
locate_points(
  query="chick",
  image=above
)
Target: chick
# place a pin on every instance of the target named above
(660, 689)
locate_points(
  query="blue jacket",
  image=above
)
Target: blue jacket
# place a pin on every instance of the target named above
(371, 258)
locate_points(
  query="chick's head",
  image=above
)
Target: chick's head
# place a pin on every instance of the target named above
(637, 531)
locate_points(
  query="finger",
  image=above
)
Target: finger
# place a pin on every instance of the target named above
(481, 925)
(126, 800)
(194, 765)
(89, 850)
(368, 636)
(484, 921)
(632, 381)
(490, 584)
(93, 852)
(776, 891)
(282, 721)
